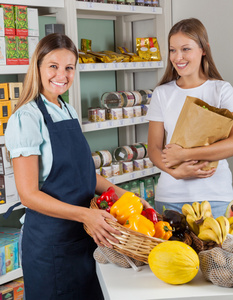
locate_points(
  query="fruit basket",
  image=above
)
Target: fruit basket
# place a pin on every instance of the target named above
(131, 243)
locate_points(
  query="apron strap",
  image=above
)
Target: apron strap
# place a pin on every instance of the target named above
(10, 209)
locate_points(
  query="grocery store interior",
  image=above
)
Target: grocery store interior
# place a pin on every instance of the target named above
(109, 26)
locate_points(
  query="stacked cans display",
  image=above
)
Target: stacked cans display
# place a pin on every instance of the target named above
(121, 105)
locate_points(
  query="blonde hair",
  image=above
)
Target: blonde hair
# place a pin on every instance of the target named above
(195, 30)
(32, 86)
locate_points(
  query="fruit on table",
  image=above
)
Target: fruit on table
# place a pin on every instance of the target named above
(176, 220)
(229, 210)
(163, 230)
(128, 204)
(214, 229)
(139, 223)
(174, 262)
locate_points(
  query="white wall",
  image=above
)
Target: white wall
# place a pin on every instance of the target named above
(217, 16)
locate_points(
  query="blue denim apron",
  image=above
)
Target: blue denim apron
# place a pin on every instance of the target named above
(57, 256)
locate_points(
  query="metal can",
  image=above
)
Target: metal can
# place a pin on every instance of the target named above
(106, 172)
(123, 153)
(117, 168)
(146, 96)
(137, 97)
(138, 151)
(127, 166)
(138, 165)
(137, 111)
(128, 99)
(147, 163)
(96, 159)
(127, 112)
(106, 158)
(114, 114)
(145, 145)
(112, 100)
(92, 114)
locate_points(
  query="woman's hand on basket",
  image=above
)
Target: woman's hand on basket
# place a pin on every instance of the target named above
(99, 229)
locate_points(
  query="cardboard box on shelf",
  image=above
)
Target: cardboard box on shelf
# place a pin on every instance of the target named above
(18, 288)
(5, 109)
(2, 51)
(4, 94)
(22, 49)
(21, 20)
(9, 18)
(33, 22)
(6, 293)
(3, 124)
(32, 43)
(11, 50)
(2, 28)
(15, 90)
(13, 104)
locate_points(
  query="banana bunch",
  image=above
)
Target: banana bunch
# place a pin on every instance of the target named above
(214, 229)
(196, 213)
(231, 225)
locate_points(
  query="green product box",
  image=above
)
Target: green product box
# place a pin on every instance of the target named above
(21, 20)
(135, 187)
(6, 293)
(151, 201)
(156, 178)
(125, 186)
(147, 187)
(11, 50)
(9, 18)
(22, 49)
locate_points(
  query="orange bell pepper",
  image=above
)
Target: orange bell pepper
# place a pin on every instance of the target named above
(163, 230)
(128, 204)
(140, 224)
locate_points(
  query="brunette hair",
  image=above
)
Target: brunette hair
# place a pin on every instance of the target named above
(32, 86)
(196, 31)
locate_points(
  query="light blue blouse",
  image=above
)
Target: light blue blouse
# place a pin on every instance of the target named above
(27, 134)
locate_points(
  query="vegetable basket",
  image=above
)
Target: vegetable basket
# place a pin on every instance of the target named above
(131, 243)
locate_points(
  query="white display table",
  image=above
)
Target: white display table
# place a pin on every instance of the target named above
(126, 284)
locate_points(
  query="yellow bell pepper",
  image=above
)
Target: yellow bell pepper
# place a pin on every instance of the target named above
(128, 204)
(140, 224)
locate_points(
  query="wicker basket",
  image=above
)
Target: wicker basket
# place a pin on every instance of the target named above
(131, 243)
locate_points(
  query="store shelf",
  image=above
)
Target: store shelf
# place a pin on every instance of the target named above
(41, 3)
(92, 126)
(133, 175)
(11, 276)
(121, 66)
(13, 69)
(115, 9)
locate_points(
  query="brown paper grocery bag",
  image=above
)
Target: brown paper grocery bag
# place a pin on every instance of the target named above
(200, 124)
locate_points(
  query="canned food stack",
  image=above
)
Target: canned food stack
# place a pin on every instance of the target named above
(125, 159)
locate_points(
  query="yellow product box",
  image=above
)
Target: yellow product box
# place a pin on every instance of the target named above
(5, 109)
(13, 104)
(15, 90)
(3, 124)
(4, 95)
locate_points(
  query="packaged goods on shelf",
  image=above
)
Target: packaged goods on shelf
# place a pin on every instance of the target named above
(132, 56)
(18, 289)
(22, 49)
(97, 160)
(2, 28)
(127, 166)
(128, 112)
(3, 124)
(130, 2)
(15, 90)
(86, 45)
(11, 50)
(5, 109)
(33, 22)
(147, 189)
(145, 109)
(2, 51)
(114, 114)
(54, 28)
(32, 43)
(147, 163)
(146, 96)
(8, 191)
(112, 100)
(117, 168)
(106, 172)
(106, 157)
(135, 187)
(4, 92)
(123, 153)
(5, 163)
(9, 18)
(86, 58)
(137, 97)
(148, 48)
(137, 111)
(6, 293)
(138, 165)
(96, 114)
(21, 20)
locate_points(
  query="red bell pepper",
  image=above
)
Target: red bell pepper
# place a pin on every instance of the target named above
(150, 214)
(107, 199)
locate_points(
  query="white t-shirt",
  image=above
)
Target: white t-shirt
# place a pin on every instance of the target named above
(166, 104)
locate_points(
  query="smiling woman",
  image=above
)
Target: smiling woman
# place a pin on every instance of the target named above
(190, 71)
